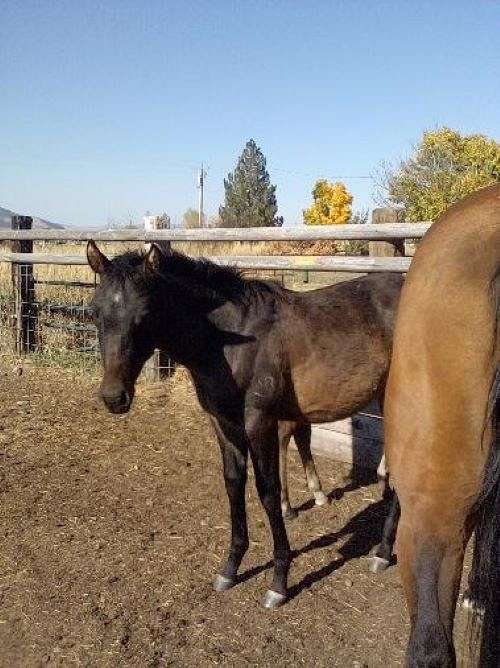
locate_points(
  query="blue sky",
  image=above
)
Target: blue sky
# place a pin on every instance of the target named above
(106, 109)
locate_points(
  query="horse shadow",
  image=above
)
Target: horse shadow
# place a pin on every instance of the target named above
(364, 531)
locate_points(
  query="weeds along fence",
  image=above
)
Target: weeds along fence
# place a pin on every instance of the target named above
(46, 285)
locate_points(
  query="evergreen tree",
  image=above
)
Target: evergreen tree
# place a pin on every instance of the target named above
(250, 199)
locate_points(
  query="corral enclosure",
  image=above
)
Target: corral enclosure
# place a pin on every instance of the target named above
(112, 528)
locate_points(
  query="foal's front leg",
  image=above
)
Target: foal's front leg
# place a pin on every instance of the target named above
(234, 452)
(262, 432)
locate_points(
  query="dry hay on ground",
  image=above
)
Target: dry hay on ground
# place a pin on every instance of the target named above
(113, 527)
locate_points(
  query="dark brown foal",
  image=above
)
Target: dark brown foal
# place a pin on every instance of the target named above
(259, 356)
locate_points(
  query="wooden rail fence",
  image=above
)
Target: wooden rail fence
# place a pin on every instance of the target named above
(370, 231)
(256, 262)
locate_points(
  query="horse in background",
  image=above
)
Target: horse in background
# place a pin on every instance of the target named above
(259, 355)
(442, 435)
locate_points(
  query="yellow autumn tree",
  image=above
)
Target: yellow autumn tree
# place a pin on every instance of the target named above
(445, 167)
(331, 206)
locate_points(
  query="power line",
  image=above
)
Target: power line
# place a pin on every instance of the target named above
(315, 175)
(176, 164)
(331, 176)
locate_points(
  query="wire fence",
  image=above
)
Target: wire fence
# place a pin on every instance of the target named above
(50, 320)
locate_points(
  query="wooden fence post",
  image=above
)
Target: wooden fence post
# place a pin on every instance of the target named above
(25, 312)
(159, 365)
(394, 248)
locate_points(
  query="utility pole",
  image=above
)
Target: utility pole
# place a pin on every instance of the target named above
(201, 182)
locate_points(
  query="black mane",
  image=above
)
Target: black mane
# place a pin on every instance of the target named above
(201, 275)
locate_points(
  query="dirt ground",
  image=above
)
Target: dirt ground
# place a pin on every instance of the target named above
(112, 529)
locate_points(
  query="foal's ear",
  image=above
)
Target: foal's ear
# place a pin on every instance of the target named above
(154, 258)
(97, 260)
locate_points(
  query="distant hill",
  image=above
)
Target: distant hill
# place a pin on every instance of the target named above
(38, 223)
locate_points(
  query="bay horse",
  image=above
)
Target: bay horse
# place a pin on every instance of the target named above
(259, 356)
(442, 433)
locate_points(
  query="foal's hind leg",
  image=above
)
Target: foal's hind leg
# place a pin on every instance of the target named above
(285, 430)
(382, 554)
(302, 436)
(383, 476)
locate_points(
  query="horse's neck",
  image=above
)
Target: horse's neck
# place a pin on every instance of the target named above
(195, 337)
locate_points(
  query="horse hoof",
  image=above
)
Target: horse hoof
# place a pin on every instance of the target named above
(321, 499)
(273, 599)
(221, 583)
(290, 514)
(378, 564)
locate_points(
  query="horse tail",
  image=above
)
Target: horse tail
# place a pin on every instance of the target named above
(485, 572)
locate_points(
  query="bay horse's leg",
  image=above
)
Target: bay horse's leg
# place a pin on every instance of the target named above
(285, 430)
(302, 436)
(431, 569)
(382, 554)
(234, 457)
(262, 432)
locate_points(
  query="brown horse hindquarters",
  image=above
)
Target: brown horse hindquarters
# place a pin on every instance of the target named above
(436, 462)
(444, 362)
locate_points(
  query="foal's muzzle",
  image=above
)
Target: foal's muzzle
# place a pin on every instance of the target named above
(117, 403)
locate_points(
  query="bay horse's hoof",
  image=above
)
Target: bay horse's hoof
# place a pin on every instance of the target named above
(378, 564)
(221, 583)
(321, 499)
(273, 599)
(290, 514)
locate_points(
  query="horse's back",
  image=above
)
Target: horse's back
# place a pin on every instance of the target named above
(352, 305)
